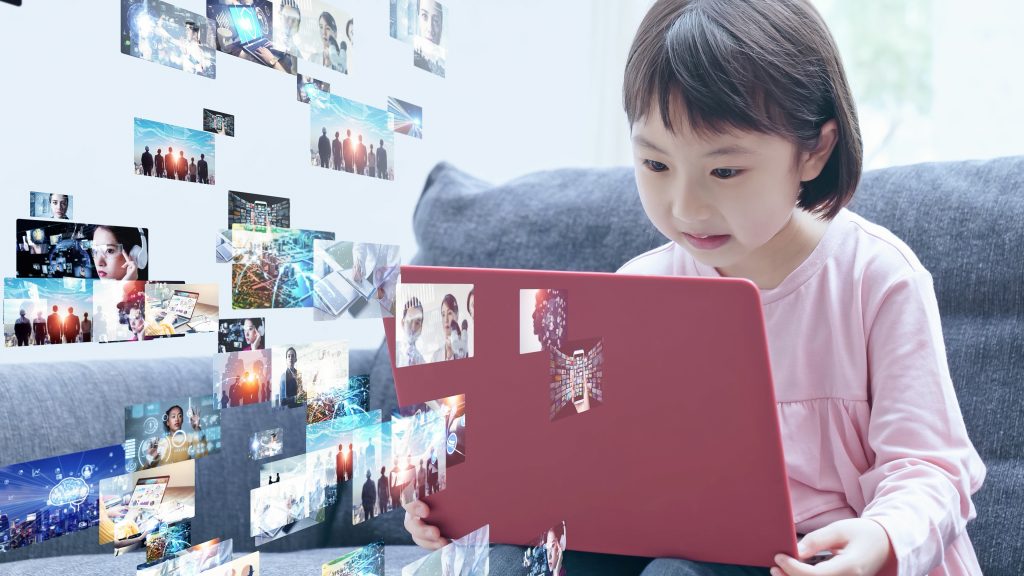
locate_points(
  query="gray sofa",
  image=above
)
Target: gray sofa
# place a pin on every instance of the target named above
(965, 220)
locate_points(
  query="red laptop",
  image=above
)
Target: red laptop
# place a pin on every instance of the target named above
(638, 409)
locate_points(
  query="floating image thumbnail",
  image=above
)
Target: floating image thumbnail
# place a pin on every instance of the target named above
(163, 33)
(266, 444)
(218, 122)
(354, 279)
(318, 33)
(258, 210)
(577, 377)
(273, 267)
(174, 152)
(242, 378)
(543, 319)
(51, 497)
(161, 433)
(49, 249)
(245, 31)
(436, 323)
(405, 118)
(349, 136)
(368, 560)
(46, 205)
(45, 311)
(241, 334)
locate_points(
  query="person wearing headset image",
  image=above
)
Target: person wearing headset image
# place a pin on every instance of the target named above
(119, 253)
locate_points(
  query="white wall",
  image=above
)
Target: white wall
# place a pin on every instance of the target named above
(531, 85)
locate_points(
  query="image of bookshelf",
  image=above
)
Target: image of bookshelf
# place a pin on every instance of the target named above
(576, 377)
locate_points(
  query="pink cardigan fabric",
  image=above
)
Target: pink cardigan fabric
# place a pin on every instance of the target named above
(871, 426)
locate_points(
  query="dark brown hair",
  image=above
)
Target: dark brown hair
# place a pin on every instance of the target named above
(768, 66)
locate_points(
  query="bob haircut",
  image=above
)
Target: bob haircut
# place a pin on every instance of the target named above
(751, 66)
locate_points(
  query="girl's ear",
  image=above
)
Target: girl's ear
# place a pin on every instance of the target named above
(812, 162)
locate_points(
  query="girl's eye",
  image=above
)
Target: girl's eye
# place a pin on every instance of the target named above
(655, 166)
(724, 173)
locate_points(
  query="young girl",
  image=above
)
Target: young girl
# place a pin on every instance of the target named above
(746, 151)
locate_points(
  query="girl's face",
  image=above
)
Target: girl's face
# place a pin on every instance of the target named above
(108, 255)
(174, 419)
(136, 321)
(741, 188)
(325, 31)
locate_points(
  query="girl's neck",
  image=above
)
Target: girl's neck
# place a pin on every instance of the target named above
(770, 264)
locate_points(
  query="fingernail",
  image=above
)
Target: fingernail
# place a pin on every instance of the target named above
(779, 558)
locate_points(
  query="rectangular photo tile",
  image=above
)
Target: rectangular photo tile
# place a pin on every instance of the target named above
(174, 309)
(170, 431)
(373, 489)
(335, 432)
(404, 20)
(344, 399)
(49, 205)
(258, 210)
(278, 509)
(51, 497)
(225, 247)
(368, 560)
(350, 136)
(45, 311)
(220, 123)
(307, 88)
(242, 378)
(315, 32)
(430, 44)
(466, 556)
(304, 371)
(354, 279)
(49, 249)
(174, 152)
(273, 267)
(136, 504)
(194, 560)
(248, 565)
(543, 319)
(405, 118)
(241, 334)
(163, 33)
(576, 377)
(436, 323)
(119, 312)
(246, 32)
(266, 444)
(166, 542)
(418, 439)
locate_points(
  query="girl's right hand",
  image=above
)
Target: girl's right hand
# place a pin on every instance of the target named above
(423, 534)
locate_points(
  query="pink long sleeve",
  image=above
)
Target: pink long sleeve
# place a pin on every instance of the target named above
(925, 468)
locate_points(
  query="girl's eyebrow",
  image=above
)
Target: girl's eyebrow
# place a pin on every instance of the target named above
(730, 149)
(640, 140)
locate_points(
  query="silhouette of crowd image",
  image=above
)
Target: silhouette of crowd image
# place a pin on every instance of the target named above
(351, 155)
(57, 328)
(175, 166)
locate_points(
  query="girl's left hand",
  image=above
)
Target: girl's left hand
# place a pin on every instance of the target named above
(860, 547)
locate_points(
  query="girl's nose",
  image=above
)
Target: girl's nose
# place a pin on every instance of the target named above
(689, 206)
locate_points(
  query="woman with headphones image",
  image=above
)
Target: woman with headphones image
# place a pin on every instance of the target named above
(119, 253)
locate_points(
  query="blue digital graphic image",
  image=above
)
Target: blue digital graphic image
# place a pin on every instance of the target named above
(339, 401)
(273, 267)
(330, 433)
(405, 118)
(362, 561)
(48, 498)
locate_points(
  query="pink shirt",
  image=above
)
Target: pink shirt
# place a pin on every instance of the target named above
(871, 426)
